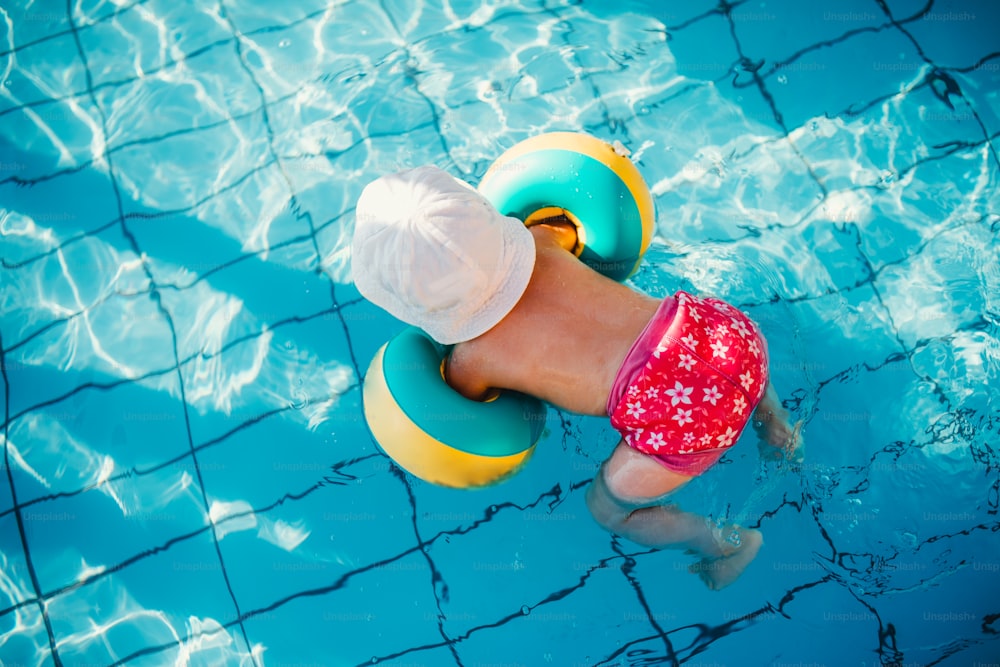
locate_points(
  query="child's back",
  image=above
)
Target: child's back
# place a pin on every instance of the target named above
(565, 339)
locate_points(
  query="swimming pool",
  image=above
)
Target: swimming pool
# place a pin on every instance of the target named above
(188, 478)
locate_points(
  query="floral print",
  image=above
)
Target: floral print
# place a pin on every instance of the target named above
(706, 370)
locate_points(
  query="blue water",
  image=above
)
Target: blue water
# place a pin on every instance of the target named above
(187, 478)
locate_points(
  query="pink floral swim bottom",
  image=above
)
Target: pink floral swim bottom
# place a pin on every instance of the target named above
(690, 383)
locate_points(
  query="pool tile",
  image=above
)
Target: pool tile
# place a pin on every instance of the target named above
(352, 169)
(26, 25)
(938, 118)
(929, 611)
(446, 72)
(674, 603)
(940, 361)
(979, 92)
(183, 110)
(906, 11)
(775, 30)
(806, 79)
(25, 638)
(847, 412)
(305, 153)
(548, 70)
(839, 262)
(831, 606)
(497, 572)
(335, 259)
(68, 346)
(138, 615)
(68, 447)
(49, 139)
(953, 307)
(259, 15)
(17, 581)
(700, 54)
(231, 318)
(144, 33)
(931, 209)
(63, 207)
(472, 154)
(326, 339)
(59, 336)
(6, 501)
(316, 534)
(370, 328)
(109, 526)
(302, 77)
(392, 99)
(629, 40)
(320, 409)
(301, 292)
(636, 44)
(743, 173)
(676, 158)
(386, 613)
(258, 210)
(573, 630)
(176, 262)
(936, 31)
(731, 149)
(416, 21)
(674, 16)
(810, 331)
(231, 382)
(46, 70)
(236, 165)
(89, 12)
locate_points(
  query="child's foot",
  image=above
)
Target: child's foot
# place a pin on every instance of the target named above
(718, 573)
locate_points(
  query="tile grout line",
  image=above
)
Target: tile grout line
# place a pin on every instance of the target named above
(18, 516)
(169, 321)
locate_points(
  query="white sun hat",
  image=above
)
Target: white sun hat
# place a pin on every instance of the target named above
(436, 254)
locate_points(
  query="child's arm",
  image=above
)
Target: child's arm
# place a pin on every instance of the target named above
(779, 439)
(563, 231)
(466, 383)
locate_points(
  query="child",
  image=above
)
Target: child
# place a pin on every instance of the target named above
(679, 377)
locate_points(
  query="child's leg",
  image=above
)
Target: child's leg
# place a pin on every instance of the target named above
(625, 499)
(778, 438)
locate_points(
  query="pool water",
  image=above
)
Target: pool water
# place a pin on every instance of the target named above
(187, 476)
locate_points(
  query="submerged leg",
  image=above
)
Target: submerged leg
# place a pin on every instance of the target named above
(626, 498)
(778, 438)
